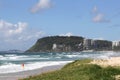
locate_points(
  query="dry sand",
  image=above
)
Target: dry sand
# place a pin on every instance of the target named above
(18, 75)
(113, 61)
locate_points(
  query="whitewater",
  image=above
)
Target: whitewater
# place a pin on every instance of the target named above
(12, 62)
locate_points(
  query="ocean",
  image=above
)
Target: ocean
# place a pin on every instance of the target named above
(12, 62)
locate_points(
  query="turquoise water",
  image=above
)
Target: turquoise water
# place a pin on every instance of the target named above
(11, 62)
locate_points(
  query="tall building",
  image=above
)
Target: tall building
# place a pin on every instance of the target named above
(87, 44)
(102, 45)
(116, 45)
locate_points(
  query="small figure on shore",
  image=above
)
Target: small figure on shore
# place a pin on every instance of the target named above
(23, 66)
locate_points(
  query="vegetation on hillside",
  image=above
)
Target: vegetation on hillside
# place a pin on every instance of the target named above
(45, 44)
(79, 70)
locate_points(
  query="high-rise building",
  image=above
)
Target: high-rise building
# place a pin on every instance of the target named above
(116, 45)
(87, 44)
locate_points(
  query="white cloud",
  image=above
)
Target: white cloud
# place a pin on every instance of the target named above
(34, 35)
(67, 34)
(100, 38)
(19, 28)
(95, 9)
(9, 29)
(41, 5)
(100, 18)
(18, 35)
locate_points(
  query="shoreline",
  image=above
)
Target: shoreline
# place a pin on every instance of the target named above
(24, 74)
(113, 61)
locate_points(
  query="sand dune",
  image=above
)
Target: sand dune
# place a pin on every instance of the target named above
(113, 61)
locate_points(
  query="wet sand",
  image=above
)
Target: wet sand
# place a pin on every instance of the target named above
(24, 74)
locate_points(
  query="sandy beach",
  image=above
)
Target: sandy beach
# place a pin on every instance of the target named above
(113, 61)
(19, 75)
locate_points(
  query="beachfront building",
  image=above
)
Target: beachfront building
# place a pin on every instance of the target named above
(102, 45)
(87, 44)
(116, 45)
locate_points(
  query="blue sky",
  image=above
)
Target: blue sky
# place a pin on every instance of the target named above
(22, 22)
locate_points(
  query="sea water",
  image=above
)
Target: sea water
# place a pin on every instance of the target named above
(12, 62)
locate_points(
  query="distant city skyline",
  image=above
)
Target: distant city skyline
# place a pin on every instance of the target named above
(22, 22)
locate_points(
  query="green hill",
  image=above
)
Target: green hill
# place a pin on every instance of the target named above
(58, 44)
(69, 44)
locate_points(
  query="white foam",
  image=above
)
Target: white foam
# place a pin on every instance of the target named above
(78, 56)
(10, 55)
(104, 55)
(101, 54)
(21, 57)
(1, 56)
(11, 68)
(71, 56)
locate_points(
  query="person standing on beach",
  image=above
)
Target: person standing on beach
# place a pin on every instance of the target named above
(23, 65)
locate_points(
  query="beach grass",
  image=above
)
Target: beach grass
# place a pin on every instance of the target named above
(80, 70)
